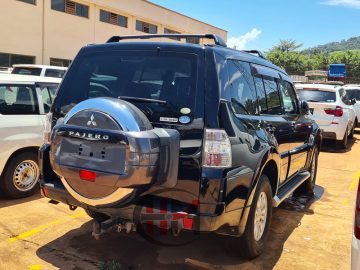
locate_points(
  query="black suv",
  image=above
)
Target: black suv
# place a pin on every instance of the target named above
(216, 135)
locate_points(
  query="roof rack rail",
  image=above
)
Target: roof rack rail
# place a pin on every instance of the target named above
(217, 39)
(258, 53)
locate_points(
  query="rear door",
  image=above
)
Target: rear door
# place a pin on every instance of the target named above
(301, 127)
(20, 120)
(273, 120)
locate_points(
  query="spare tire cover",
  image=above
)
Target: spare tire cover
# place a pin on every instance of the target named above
(99, 114)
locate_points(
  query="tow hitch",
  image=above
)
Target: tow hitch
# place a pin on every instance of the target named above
(99, 228)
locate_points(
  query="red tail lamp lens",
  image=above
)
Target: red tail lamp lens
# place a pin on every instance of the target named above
(357, 214)
(87, 175)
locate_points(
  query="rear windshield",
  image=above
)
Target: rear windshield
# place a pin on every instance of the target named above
(55, 73)
(317, 95)
(353, 93)
(27, 71)
(161, 84)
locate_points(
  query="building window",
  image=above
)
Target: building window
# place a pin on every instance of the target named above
(146, 27)
(109, 17)
(70, 7)
(7, 59)
(169, 31)
(59, 62)
(193, 40)
(33, 2)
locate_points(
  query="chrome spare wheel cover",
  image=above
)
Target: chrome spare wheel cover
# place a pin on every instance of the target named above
(26, 175)
(260, 216)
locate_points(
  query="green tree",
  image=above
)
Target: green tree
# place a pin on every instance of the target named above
(287, 45)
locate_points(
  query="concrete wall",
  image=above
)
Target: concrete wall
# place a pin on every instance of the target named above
(45, 33)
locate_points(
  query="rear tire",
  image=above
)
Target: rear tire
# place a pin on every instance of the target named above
(21, 175)
(252, 242)
(308, 186)
(343, 143)
(99, 217)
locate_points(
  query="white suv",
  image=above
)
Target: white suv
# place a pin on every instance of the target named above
(354, 95)
(332, 109)
(39, 70)
(24, 101)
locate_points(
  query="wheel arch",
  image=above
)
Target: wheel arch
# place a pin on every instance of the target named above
(33, 149)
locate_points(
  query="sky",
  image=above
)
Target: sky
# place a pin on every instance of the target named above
(260, 24)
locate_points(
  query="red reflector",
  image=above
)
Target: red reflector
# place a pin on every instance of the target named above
(87, 175)
(188, 223)
(45, 192)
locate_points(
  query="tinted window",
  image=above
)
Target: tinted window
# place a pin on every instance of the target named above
(56, 73)
(18, 99)
(48, 94)
(27, 71)
(272, 96)
(58, 5)
(241, 90)
(288, 97)
(260, 89)
(354, 93)
(29, 1)
(317, 95)
(169, 77)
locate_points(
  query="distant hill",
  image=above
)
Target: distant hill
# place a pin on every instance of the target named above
(344, 45)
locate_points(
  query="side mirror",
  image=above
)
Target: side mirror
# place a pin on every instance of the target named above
(304, 107)
(353, 101)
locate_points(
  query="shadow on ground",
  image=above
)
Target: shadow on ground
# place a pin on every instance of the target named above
(6, 202)
(331, 146)
(78, 250)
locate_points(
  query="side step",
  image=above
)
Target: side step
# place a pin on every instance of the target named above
(285, 191)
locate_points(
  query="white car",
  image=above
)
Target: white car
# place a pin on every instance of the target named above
(332, 109)
(355, 243)
(353, 91)
(39, 70)
(24, 101)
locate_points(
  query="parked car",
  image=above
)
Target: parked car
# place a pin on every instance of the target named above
(39, 70)
(199, 127)
(24, 100)
(331, 107)
(353, 91)
(355, 243)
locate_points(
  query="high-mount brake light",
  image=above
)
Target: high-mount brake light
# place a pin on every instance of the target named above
(217, 149)
(87, 175)
(338, 111)
(357, 214)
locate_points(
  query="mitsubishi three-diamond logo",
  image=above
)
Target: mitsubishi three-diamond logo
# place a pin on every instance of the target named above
(92, 122)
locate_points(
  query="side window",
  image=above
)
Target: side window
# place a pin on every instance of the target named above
(18, 100)
(241, 89)
(272, 96)
(259, 83)
(55, 73)
(46, 99)
(288, 97)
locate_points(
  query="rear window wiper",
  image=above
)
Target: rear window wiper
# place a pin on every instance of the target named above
(147, 100)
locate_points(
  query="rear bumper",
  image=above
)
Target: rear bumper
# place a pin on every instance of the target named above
(355, 253)
(203, 220)
(334, 131)
(224, 223)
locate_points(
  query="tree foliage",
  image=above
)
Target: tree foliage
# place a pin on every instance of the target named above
(296, 62)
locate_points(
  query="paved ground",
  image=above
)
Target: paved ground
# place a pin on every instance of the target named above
(305, 233)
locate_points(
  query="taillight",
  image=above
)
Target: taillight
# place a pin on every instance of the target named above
(338, 111)
(357, 214)
(217, 149)
(87, 175)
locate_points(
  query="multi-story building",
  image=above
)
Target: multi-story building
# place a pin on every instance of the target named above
(53, 31)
